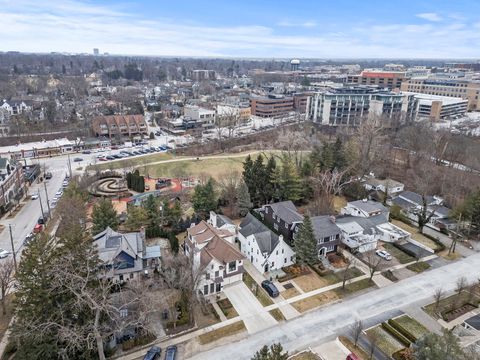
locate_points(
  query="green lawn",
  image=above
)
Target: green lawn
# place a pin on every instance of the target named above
(402, 257)
(259, 293)
(418, 267)
(411, 325)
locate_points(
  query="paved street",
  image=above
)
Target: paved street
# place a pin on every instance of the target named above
(320, 325)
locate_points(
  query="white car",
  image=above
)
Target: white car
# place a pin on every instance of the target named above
(384, 255)
(59, 193)
(4, 253)
(34, 196)
(65, 184)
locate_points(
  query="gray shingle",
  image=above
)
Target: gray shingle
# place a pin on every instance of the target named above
(287, 211)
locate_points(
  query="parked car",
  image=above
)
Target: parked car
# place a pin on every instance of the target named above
(153, 353)
(53, 203)
(384, 254)
(4, 253)
(109, 157)
(77, 159)
(59, 193)
(86, 152)
(34, 196)
(65, 183)
(48, 175)
(171, 352)
(38, 228)
(28, 238)
(270, 288)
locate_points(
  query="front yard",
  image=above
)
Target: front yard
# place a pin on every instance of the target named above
(222, 332)
(227, 308)
(419, 267)
(385, 342)
(257, 290)
(411, 325)
(401, 256)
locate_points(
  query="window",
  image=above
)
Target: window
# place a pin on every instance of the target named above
(273, 264)
(232, 266)
(207, 276)
(217, 273)
(123, 313)
(212, 287)
(218, 287)
(285, 260)
(283, 251)
(277, 252)
(131, 276)
(205, 289)
(326, 239)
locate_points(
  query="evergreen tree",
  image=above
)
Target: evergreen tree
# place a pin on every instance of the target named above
(137, 217)
(243, 201)
(258, 181)
(289, 183)
(269, 186)
(275, 352)
(248, 177)
(103, 216)
(204, 199)
(327, 161)
(339, 161)
(172, 213)
(438, 347)
(306, 244)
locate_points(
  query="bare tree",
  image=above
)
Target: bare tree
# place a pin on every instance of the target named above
(225, 125)
(356, 330)
(373, 341)
(438, 294)
(374, 262)
(229, 184)
(7, 280)
(368, 138)
(461, 284)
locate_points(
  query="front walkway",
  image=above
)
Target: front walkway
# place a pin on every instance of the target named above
(253, 314)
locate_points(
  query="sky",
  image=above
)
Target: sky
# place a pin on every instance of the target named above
(245, 28)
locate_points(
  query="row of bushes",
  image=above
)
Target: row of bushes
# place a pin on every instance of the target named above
(440, 245)
(138, 341)
(135, 181)
(402, 330)
(396, 334)
(158, 231)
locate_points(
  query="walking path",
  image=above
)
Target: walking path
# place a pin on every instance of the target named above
(219, 311)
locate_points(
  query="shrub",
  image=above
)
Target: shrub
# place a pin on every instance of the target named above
(138, 341)
(395, 333)
(402, 330)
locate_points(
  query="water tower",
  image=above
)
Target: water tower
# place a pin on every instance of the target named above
(294, 64)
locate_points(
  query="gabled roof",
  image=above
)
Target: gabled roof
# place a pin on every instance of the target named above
(323, 226)
(111, 243)
(203, 231)
(416, 198)
(369, 206)
(220, 250)
(266, 239)
(287, 211)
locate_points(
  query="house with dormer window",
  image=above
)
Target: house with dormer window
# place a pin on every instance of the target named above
(124, 256)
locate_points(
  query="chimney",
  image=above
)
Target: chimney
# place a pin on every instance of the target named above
(364, 200)
(332, 219)
(142, 233)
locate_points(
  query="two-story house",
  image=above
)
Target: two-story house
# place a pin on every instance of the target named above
(327, 234)
(124, 256)
(215, 258)
(283, 217)
(266, 250)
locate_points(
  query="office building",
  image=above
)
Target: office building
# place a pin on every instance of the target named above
(435, 108)
(199, 116)
(465, 89)
(271, 105)
(385, 79)
(349, 105)
(241, 112)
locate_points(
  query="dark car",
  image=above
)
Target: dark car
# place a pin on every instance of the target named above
(86, 152)
(153, 353)
(48, 175)
(270, 288)
(109, 157)
(171, 352)
(77, 159)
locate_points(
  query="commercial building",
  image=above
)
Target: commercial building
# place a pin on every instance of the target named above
(465, 89)
(11, 183)
(195, 116)
(349, 105)
(200, 75)
(38, 149)
(241, 112)
(388, 79)
(119, 125)
(271, 106)
(435, 108)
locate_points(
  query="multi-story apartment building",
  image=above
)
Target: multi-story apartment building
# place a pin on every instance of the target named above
(388, 79)
(200, 75)
(349, 105)
(119, 125)
(11, 183)
(435, 108)
(271, 106)
(466, 89)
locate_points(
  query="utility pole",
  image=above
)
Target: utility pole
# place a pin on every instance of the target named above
(46, 196)
(69, 165)
(13, 247)
(41, 205)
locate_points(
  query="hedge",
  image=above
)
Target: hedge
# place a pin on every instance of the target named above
(440, 245)
(402, 330)
(396, 334)
(138, 341)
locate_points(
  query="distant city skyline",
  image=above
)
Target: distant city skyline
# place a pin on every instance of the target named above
(252, 29)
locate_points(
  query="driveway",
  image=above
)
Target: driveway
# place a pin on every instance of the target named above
(255, 317)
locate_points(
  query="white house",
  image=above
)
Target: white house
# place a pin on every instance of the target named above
(388, 186)
(364, 208)
(223, 223)
(266, 250)
(215, 258)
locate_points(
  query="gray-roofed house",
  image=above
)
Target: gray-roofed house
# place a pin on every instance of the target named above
(327, 233)
(365, 208)
(282, 217)
(266, 250)
(222, 222)
(124, 256)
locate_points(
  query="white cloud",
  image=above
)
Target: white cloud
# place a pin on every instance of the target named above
(305, 24)
(429, 16)
(76, 26)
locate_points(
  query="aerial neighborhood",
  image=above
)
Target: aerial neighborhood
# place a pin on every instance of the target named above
(250, 207)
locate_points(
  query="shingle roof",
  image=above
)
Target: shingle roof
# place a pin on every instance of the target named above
(221, 250)
(203, 232)
(266, 239)
(287, 211)
(369, 206)
(323, 226)
(416, 198)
